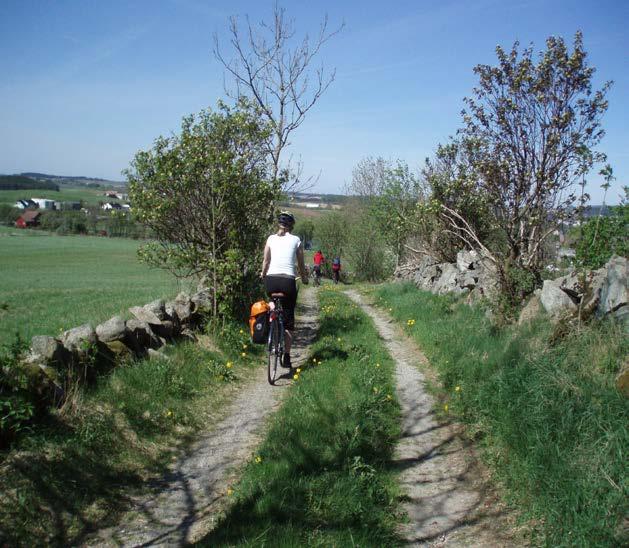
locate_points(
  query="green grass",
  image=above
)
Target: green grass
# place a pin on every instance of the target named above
(76, 471)
(321, 477)
(544, 405)
(89, 196)
(52, 283)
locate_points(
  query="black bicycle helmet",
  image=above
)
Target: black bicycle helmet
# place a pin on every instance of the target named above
(286, 218)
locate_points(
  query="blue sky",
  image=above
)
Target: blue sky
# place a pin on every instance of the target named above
(85, 84)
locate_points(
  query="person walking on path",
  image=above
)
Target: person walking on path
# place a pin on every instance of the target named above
(278, 272)
(336, 269)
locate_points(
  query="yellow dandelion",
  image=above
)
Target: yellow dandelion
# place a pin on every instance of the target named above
(389, 397)
(296, 377)
(299, 370)
(445, 408)
(377, 365)
(241, 331)
(244, 354)
(314, 360)
(457, 389)
(230, 491)
(229, 365)
(258, 459)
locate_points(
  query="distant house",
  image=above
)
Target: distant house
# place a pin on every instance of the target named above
(111, 206)
(28, 219)
(115, 194)
(43, 203)
(25, 204)
(67, 206)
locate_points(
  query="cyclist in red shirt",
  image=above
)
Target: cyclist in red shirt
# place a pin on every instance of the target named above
(318, 260)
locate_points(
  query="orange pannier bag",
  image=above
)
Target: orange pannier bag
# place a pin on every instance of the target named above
(259, 322)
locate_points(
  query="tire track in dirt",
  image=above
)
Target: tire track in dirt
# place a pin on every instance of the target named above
(186, 503)
(447, 494)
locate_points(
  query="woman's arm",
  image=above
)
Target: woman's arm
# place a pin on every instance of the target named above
(266, 261)
(301, 265)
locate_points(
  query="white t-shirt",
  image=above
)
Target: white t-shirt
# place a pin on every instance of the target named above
(283, 254)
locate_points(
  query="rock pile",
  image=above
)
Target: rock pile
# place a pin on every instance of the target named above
(472, 273)
(82, 352)
(601, 292)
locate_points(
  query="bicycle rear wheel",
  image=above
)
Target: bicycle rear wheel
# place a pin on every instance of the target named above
(275, 353)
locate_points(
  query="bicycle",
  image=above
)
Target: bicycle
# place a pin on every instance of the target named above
(276, 338)
(316, 275)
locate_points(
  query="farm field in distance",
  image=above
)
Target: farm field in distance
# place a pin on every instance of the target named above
(51, 283)
(91, 196)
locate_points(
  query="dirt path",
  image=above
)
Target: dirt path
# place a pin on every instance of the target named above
(185, 504)
(449, 501)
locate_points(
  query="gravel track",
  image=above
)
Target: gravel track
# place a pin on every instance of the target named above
(447, 496)
(186, 503)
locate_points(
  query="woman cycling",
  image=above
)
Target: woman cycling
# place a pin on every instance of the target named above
(278, 271)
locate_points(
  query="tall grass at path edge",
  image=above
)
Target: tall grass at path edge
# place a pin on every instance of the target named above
(322, 477)
(543, 404)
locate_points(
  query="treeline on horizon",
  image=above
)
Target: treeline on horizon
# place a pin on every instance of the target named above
(20, 182)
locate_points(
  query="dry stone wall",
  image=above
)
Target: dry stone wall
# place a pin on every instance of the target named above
(472, 274)
(81, 353)
(601, 292)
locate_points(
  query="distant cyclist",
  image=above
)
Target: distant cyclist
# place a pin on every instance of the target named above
(278, 271)
(336, 269)
(318, 259)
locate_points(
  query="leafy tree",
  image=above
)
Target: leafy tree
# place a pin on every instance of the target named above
(275, 71)
(64, 222)
(389, 193)
(529, 135)
(332, 233)
(304, 229)
(450, 180)
(9, 214)
(368, 252)
(207, 194)
(605, 236)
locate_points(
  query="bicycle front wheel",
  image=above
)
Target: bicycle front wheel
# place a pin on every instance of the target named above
(275, 353)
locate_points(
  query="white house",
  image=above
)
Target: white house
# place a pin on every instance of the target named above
(25, 204)
(109, 206)
(43, 203)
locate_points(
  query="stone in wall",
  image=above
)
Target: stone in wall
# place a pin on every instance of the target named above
(114, 329)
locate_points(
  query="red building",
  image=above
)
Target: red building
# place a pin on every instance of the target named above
(27, 219)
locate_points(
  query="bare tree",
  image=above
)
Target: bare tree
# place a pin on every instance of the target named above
(276, 71)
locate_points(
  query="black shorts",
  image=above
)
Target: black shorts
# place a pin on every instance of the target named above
(288, 286)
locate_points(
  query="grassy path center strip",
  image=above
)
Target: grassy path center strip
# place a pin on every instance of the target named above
(323, 475)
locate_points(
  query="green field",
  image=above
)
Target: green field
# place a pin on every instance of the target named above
(89, 196)
(52, 283)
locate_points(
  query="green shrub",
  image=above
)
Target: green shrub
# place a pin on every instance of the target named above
(9, 214)
(17, 401)
(603, 237)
